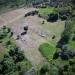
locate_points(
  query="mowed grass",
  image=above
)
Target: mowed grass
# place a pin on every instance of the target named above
(48, 10)
(55, 28)
(47, 50)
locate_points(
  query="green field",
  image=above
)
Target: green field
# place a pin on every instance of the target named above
(45, 11)
(47, 50)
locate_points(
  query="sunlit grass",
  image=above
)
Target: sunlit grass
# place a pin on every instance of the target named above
(47, 50)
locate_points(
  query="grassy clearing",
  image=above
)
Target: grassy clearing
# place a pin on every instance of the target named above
(55, 28)
(45, 11)
(47, 50)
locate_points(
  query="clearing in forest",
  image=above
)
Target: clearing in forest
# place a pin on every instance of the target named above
(37, 33)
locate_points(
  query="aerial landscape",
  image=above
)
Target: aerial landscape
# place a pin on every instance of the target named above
(37, 37)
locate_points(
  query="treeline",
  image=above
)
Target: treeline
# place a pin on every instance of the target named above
(17, 3)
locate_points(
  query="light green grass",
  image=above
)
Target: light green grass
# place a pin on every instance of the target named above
(48, 10)
(47, 50)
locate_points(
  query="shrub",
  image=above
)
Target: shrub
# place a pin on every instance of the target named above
(44, 69)
(8, 65)
(17, 54)
(56, 54)
(73, 38)
(52, 17)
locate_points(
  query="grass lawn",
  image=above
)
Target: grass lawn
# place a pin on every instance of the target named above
(46, 11)
(72, 45)
(47, 50)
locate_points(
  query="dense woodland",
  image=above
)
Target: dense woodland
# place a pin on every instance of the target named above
(17, 3)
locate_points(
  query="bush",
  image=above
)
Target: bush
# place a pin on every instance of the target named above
(8, 65)
(4, 32)
(52, 17)
(17, 54)
(63, 17)
(73, 39)
(56, 54)
(44, 69)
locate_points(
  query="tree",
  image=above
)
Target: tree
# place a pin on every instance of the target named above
(8, 65)
(16, 54)
(53, 17)
(44, 69)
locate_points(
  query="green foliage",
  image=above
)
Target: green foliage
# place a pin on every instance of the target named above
(44, 70)
(13, 3)
(8, 65)
(58, 67)
(23, 66)
(13, 58)
(4, 32)
(72, 45)
(69, 27)
(68, 33)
